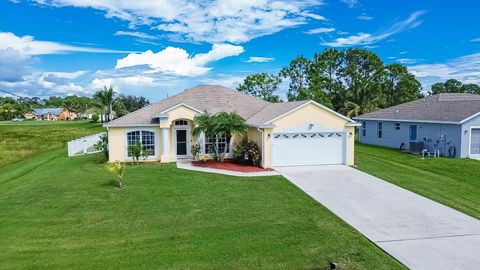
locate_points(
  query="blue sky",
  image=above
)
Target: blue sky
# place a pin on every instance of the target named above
(158, 48)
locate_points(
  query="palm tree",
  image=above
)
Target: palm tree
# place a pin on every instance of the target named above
(362, 99)
(118, 169)
(229, 124)
(107, 101)
(215, 126)
(205, 123)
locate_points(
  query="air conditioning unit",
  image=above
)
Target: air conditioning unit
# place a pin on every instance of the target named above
(416, 147)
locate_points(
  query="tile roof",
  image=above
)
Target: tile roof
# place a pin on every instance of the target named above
(446, 107)
(213, 99)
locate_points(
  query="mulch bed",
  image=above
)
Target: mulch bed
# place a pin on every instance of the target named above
(228, 164)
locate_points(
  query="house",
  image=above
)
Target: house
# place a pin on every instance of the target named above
(448, 123)
(288, 133)
(51, 114)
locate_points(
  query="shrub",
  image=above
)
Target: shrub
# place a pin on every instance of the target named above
(118, 169)
(195, 151)
(102, 145)
(95, 118)
(247, 152)
(135, 151)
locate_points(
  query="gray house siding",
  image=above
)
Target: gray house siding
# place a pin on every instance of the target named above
(428, 132)
(466, 129)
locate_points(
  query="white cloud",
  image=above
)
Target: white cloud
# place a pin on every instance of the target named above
(366, 39)
(365, 17)
(135, 34)
(257, 59)
(407, 61)
(234, 21)
(122, 83)
(351, 3)
(28, 45)
(475, 40)
(13, 65)
(320, 30)
(69, 75)
(465, 69)
(177, 61)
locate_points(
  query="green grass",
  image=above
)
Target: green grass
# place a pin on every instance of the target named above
(453, 182)
(62, 213)
(19, 140)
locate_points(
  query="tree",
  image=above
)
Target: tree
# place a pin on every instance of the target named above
(454, 86)
(228, 124)
(218, 125)
(118, 169)
(262, 86)
(107, 101)
(325, 75)
(363, 76)
(400, 85)
(70, 104)
(437, 88)
(8, 111)
(205, 123)
(133, 103)
(297, 72)
(471, 88)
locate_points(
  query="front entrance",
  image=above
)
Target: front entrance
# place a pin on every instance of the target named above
(181, 142)
(475, 143)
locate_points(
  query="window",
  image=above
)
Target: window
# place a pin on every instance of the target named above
(397, 126)
(145, 138)
(364, 129)
(379, 130)
(223, 142)
(181, 123)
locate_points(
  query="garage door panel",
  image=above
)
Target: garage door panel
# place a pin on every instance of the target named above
(308, 149)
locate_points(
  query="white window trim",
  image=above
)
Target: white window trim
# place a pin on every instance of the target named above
(476, 156)
(379, 130)
(155, 136)
(203, 146)
(189, 141)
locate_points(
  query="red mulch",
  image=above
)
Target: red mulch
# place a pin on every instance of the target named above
(228, 164)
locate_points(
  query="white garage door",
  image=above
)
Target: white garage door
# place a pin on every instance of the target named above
(291, 149)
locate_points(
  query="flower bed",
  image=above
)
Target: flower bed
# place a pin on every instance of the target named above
(228, 164)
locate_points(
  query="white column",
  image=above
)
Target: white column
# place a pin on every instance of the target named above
(165, 141)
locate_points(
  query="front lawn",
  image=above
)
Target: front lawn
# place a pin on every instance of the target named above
(19, 140)
(62, 213)
(453, 182)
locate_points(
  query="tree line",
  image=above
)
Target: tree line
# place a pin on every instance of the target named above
(105, 101)
(353, 82)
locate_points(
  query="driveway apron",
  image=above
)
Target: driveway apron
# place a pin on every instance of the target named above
(417, 231)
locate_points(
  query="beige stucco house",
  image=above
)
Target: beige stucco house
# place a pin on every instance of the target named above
(288, 133)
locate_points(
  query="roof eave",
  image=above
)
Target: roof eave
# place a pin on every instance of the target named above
(408, 120)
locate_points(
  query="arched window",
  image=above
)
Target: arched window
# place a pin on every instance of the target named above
(145, 138)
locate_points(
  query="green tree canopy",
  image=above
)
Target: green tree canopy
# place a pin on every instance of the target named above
(262, 86)
(401, 86)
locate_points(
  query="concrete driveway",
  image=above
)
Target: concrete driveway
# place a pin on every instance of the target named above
(420, 233)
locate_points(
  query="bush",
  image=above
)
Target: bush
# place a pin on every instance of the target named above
(247, 152)
(195, 151)
(95, 118)
(102, 145)
(135, 151)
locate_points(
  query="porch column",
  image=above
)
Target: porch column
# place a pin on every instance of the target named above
(165, 144)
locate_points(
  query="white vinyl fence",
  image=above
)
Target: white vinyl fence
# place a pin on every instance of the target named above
(84, 145)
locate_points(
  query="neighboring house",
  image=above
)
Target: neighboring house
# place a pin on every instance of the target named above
(51, 114)
(288, 133)
(449, 123)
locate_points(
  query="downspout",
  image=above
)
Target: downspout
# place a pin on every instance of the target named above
(263, 148)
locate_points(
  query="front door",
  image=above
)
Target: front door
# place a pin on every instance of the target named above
(181, 136)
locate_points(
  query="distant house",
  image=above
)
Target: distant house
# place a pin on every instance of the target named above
(51, 114)
(447, 123)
